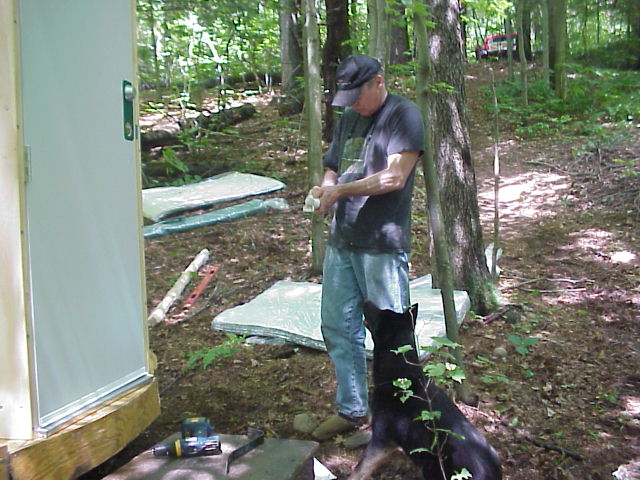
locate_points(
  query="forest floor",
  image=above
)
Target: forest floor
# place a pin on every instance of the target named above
(566, 407)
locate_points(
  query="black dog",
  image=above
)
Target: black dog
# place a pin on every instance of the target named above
(457, 445)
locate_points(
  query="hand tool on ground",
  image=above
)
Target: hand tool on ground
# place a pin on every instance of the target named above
(256, 437)
(197, 438)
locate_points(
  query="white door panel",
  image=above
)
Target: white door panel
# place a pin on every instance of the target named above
(82, 203)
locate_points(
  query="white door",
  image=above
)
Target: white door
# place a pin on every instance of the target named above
(82, 201)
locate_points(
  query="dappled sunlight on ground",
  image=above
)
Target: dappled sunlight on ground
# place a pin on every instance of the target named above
(632, 407)
(624, 257)
(528, 195)
(603, 246)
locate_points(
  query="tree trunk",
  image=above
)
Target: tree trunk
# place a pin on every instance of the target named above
(558, 45)
(424, 77)
(162, 52)
(508, 27)
(453, 159)
(335, 49)
(583, 27)
(476, 30)
(463, 27)
(154, 42)
(521, 54)
(290, 58)
(546, 68)
(378, 33)
(526, 28)
(313, 104)
(634, 18)
(398, 36)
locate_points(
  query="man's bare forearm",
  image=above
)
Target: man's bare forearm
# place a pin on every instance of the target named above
(388, 180)
(330, 178)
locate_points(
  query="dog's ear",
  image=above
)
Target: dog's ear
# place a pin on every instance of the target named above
(413, 311)
(370, 310)
(371, 314)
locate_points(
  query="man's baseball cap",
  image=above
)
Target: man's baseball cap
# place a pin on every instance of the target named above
(351, 74)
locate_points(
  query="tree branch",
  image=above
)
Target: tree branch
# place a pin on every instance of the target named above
(539, 443)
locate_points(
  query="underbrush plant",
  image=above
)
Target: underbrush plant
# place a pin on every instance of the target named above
(521, 337)
(441, 368)
(618, 54)
(206, 356)
(594, 96)
(522, 343)
(176, 167)
(403, 80)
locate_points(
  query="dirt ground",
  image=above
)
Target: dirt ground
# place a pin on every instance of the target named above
(567, 407)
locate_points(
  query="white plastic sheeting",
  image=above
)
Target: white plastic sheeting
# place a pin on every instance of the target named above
(320, 472)
(291, 310)
(160, 202)
(182, 224)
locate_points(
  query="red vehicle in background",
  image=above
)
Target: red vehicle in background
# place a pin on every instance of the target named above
(496, 46)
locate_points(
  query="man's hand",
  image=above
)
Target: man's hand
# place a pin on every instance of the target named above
(321, 192)
(327, 196)
(394, 177)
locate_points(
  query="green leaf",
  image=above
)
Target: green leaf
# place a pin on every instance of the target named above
(421, 450)
(458, 375)
(402, 383)
(450, 432)
(207, 355)
(445, 342)
(427, 415)
(462, 475)
(486, 360)
(488, 379)
(402, 349)
(494, 378)
(435, 370)
(515, 339)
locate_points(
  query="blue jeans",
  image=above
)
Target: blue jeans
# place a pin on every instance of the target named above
(349, 279)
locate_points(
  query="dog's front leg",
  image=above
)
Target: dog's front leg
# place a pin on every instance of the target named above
(373, 456)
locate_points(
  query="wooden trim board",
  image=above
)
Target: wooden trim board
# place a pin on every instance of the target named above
(4, 462)
(15, 396)
(88, 442)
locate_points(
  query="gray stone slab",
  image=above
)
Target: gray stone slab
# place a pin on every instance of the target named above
(275, 459)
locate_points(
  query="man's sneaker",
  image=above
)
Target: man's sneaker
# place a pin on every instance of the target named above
(333, 425)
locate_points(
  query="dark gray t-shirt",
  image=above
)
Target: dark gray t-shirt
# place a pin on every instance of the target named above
(360, 147)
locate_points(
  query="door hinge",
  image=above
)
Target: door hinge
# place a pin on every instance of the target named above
(27, 163)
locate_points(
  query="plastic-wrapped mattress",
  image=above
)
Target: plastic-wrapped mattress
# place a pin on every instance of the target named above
(291, 311)
(160, 202)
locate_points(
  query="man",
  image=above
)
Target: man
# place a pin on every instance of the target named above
(368, 182)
